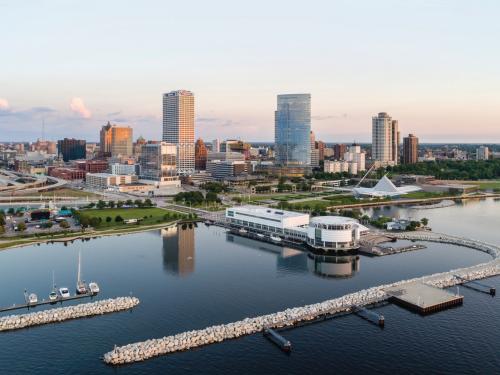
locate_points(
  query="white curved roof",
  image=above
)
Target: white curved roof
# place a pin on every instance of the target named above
(332, 220)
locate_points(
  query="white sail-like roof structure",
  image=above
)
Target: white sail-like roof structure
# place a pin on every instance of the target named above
(385, 188)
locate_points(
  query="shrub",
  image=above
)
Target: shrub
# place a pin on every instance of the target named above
(64, 224)
(109, 219)
(118, 219)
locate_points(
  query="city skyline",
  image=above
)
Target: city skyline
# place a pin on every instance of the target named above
(442, 88)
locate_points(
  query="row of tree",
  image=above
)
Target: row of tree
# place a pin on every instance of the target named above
(119, 204)
(196, 198)
(453, 169)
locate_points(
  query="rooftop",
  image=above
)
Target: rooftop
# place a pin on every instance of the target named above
(265, 211)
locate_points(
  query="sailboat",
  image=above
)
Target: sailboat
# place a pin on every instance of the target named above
(53, 293)
(81, 287)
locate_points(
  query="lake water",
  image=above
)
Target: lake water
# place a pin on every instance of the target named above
(195, 277)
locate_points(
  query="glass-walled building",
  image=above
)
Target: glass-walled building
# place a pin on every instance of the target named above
(292, 126)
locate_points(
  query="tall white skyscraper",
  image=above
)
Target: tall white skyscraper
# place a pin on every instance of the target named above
(178, 128)
(216, 145)
(385, 139)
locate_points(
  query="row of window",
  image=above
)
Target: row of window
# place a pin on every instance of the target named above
(332, 227)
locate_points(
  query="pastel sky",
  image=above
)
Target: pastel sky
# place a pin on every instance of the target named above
(433, 65)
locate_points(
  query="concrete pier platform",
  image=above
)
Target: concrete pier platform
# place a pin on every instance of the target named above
(422, 298)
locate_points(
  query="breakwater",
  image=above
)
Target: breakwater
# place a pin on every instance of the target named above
(60, 314)
(141, 351)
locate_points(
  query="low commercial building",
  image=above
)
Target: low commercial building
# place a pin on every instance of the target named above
(92, 166)
(67, 173)
(136, 188)
(125, 169)
(107, 180)
(325, 233)
(220, 169)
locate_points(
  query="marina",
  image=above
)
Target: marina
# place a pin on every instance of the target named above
(58, 300)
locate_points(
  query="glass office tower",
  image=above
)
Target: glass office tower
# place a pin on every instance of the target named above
(292, 125)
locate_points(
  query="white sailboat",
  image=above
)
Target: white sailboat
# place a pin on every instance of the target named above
(81, 287)
(53, 293)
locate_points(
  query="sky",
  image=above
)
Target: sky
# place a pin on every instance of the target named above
(74, 65)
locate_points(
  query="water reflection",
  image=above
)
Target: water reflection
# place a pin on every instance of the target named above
(296, 261)
(178, 249)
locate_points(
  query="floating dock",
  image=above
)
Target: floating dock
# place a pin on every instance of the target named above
(368, 315)
(477, 286)
(277, 339)
(389, 250)
(422, 298)
(46, 302)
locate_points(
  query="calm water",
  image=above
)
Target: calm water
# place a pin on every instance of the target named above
(192, 278)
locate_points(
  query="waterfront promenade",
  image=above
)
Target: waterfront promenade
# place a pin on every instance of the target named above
(141, 351)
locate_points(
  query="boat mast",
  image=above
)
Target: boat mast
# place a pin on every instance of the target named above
(79, 266)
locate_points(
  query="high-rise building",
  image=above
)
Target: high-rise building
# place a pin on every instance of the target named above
(314, 150)
(320, 146)
(137, 147)
(339, 150)
(354, 155)
(292, 124)
(116, 141)
(216, 145)
(158, 164)
(410, 149)
(178, 128)
(482, 153)
(234, 145)
(200, 155)
(385, 139)
(71, 149)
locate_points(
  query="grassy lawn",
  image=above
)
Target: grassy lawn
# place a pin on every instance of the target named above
(488, 185)
(424, 194)
(64, 192)
(149, 216)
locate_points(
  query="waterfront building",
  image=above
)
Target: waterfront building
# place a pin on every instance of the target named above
(71, 149)
(385, 139)
(482, 153)
(292, 125)
(178, 128)
(335, 166)
(410, 149)
(158, 163)
(200, 155)
(115, 141)
(385, 188)
(324, 232)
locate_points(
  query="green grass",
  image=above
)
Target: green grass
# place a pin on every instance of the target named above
(63, 193)
(487, 185)
(424, 195)
(153, 216)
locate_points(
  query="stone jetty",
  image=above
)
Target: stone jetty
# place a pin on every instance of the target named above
(141, 351)
(60, 314)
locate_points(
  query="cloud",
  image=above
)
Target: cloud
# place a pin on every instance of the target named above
(78, 106)
(207, 119)
(4, 104)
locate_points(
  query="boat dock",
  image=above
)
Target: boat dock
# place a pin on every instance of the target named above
(477, 286)
(277, 339)
(368, 315)
(422, 298)
(46, 302)
(389, 250)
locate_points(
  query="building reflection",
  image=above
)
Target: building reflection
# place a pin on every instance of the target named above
(178, 249)
(298, 261)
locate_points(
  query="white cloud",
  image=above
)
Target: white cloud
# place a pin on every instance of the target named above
(4, 104)
(78, 106)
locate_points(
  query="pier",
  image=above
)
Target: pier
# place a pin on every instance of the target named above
(477, 286)
(368, 315)
(277, 339)
(422, 298)
(46, 302)
(389, 250)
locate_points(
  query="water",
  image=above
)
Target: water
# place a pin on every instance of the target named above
(193, 278)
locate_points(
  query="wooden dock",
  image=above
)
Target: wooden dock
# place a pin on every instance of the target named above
(46, 302)
(422, 298)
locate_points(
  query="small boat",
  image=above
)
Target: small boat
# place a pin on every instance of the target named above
(275, 238)
(32, 299)
(93, 287)
(53, 293)
(64, 292)
(241, 230)
(260, 235)
(81, 287)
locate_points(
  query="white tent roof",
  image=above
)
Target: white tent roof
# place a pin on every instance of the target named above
(385, 188)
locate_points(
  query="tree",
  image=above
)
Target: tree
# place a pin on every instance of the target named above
(84, 221)
(64, 224)
(64, 208)
(424, 221)
(129, 202)
(138, 203)
(91, 205)
(119, 204)
(11, 211)
(111, 204)
(101, 204)
(148, 202)
(94, 221)
(109, 219)
(21, 226)
(2, 220)
(118, 219)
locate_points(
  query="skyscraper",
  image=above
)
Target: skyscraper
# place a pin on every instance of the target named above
(385, 139)
(72, 149)
(410, 149)
(314, 150)
(292, 124)
(482, 153)
(200, 155)
(157, 163)
(178, 128)
(116, 141)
